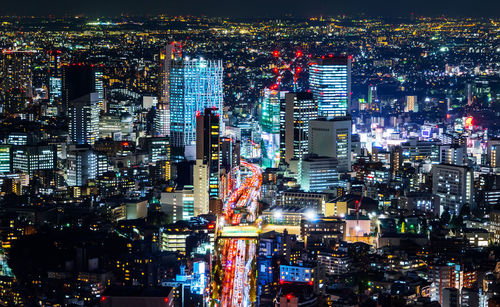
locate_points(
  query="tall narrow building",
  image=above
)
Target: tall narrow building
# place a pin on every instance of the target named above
(206, 174)
(84, 119)
(300, 108)
(78, 80)
(15, 80)
(55, 76)
(330, 83)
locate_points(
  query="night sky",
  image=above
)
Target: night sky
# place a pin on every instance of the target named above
(254, 8)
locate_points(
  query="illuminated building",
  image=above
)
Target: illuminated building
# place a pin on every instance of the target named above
(79, 80)
(495, 156)
(178, 203)
(29, 159)
(270, 123)
(411, 104)
(81, 165)
(454, 186)
(158, 148)
(300, 109)
(453, 154)
(5, 159)
(15, 80)
(84, 119)
(330, 83)
(55, 76)
(335, 262)
(318, 174)
(162, 120)
(323, 231)
(195, 84)
(332, 138)
(206, 173)
(443, 276)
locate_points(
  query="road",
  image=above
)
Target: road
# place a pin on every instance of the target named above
(238, 241)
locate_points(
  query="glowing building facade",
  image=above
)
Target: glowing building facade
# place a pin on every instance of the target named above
(330, 83)
(195, 84)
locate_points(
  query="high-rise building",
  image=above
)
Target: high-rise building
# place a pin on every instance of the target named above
(411, 104)
(330, 83)
(162, 120)
(5, 159)
(82, 165)
(55, 76)
(79, 80)
(332, 138)
(454, 186)
(206, 174)
(195, 84)
(300, 109)
(271, 120)
(31, 158)
(453, 154)
(84, 119)
(15, 80)
(178, 203)
(318, 174)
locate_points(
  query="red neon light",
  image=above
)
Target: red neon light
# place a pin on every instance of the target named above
(276, 53)
(165, 300)
(299, 53)
(289, 296)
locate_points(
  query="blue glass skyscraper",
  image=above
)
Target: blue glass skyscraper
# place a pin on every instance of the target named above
(195, 84)
(330, 83)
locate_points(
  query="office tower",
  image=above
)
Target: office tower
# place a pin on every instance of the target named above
(411, 104)
(332, 138)
(5, 159)
(270, 123)
(195, 84)
(229, 166)
(82, 165)
(15, 80)
(300, 109)
(330, 83)
(453, 154)
(454, 186)
(31, 158)
(178, 203)
(206, 174)
(84, 119)
(158, 148)
(162, 120)
(79, 80)
(396, 157)
(494, 155)
(318, 174)
(55, 76)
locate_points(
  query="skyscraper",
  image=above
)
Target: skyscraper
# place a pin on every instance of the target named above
(15, 80)
(454, 185)
(55, 76)
(206, 177)
(195, 84)
(270, 123)
(332, 138)
(82, 165)
(78, 80)
(299, 110)
(84, 119)
(330, 83)
(162, 120)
